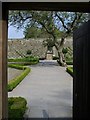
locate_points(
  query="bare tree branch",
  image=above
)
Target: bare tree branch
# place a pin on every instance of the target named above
(72, 24)
(50, 32)
(56, 14)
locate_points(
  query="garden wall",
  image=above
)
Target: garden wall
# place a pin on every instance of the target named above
(35, 45)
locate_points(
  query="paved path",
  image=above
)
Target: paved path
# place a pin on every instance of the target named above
(48, 91)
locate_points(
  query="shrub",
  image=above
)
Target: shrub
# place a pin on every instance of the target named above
(29, 52)
(55, 58)
(28, 59)
(30, 63)
(64, 50)
(16, 107)
(69, 62)
(17, 66)
(14, 82)
(69, 57)
(43, 58)
(70, 70)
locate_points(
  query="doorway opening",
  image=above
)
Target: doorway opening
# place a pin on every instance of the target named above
(51, 29)
(12, 6)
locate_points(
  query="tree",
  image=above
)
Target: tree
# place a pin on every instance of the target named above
(34, 32)
(53, 23)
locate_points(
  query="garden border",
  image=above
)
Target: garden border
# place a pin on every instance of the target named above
(70, 70)
(14, 82)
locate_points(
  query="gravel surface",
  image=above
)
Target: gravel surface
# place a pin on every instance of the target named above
(12, 73)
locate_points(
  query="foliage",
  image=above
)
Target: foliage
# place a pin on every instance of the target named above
(55, 58)
(69, 56)
(29, 52)
(16, 107)
(55, 24)
(34, 32)
(29, 60)
(17, 66)
(64, 50)
(49, 42)
(14, 82)
(70, 70)
(69, 62)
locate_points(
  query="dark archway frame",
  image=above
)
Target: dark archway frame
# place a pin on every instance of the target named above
(6, 6)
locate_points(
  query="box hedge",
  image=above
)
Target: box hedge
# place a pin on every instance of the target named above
(16, 108)
(14, 82)
(30, 60)
(17, 66)
(69, 62)
(70, 70)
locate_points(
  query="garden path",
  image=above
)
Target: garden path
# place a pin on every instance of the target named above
(48, 90)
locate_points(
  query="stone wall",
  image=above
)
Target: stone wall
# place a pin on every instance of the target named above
(23, 45)
(36, 46)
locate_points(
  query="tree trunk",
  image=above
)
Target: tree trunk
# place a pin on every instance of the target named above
(61, 60)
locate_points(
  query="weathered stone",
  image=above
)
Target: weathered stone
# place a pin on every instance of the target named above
(35, 45)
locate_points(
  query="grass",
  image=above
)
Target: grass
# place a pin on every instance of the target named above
(14, 82)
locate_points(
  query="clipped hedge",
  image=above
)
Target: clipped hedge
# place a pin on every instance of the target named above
(70, 70)
(14, 82)
(17, 66)
(55, 58)
(25, 63)
(69, 62)
(16, 108)
(28, 60)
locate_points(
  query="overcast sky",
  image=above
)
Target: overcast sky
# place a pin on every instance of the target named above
(14, 33)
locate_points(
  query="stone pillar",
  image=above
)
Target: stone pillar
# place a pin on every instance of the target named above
(3, 63)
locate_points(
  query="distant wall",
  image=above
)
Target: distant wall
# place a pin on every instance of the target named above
(35, 45)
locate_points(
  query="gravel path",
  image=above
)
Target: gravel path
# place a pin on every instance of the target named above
(12, 73)
(48, 90)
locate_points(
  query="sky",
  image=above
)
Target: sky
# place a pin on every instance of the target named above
(13, 33)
